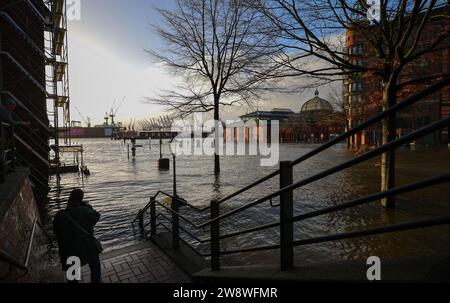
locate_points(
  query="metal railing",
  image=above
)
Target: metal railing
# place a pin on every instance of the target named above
(15, 261)
(285, 193)
(7, 149)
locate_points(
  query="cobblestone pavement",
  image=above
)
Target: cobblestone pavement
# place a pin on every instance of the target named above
(138, 264)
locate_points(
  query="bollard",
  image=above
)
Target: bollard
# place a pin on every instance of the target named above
(128, 151)
(215, 234)
(286, 214)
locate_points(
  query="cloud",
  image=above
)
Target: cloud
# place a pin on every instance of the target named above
(98, 77)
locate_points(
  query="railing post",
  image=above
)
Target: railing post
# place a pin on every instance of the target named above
(141, 222)
(286, 214)
(215, 234)
(175, 223)
(152, 217)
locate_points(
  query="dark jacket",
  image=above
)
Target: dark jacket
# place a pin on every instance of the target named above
(71, 241)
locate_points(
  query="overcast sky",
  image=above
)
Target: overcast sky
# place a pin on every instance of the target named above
(107, 61)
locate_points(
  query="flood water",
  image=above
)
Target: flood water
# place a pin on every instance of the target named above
(119, 187)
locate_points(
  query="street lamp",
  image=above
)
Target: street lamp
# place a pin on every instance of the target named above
(173, 150)
(163, 163)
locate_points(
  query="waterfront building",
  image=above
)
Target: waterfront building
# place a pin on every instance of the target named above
(316, 122)
(362, 92)
(280, 114)
(33, 76)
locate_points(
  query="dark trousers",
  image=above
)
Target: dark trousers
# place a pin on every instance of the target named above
(96, 270)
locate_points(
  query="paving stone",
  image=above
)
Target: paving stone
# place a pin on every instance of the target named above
(137, 265)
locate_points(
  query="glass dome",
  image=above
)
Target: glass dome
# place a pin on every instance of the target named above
(317, 104)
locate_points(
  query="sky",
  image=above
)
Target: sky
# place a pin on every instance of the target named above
(108, 62)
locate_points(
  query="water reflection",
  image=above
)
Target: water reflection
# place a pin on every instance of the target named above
(118, 187)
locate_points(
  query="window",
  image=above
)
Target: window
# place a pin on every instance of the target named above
(360, 86)
(356, 50)
(356, 87)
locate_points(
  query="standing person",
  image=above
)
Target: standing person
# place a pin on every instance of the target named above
(74, 230)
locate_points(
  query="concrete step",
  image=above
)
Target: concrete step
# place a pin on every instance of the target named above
(408, 269)
(188, 259)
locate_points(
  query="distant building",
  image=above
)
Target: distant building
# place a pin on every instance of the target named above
(361, 92)
(280, 114)
(316, 122)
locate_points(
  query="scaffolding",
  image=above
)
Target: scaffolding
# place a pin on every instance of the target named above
(57, 79)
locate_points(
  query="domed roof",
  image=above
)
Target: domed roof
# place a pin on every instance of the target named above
(317, 104)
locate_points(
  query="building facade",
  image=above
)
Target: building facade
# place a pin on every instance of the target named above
(362, 93)
(316, 122)
(34, 80)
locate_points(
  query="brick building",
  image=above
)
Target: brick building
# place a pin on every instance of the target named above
(362, 93)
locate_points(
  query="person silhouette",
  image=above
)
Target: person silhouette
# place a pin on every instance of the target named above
(74, 230)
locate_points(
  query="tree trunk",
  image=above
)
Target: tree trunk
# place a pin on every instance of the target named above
(216, 135)
(388, 134)
(347, 128)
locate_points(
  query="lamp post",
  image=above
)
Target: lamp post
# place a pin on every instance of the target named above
(174, 206)
(173, 150)
(163, 163)
(160, 143)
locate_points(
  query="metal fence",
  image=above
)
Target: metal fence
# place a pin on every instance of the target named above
(286, 219)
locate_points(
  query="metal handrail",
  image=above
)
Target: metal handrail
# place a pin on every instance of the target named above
(188, 232)
(377, 230)
(352, 234)
(8, 258)
(375, 119)
(374, 197)
(147, 206)
(366, 156)
(445, 178)
(289, 186)
(200, 253)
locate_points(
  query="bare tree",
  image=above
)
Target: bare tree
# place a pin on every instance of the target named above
(338, 102)
(218, 48)
(313, 31)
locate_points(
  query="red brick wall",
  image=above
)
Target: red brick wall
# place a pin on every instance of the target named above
(15, 230)
(438, 62)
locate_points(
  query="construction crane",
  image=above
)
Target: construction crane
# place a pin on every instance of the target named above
(106, 119)
(86, 120)
(114, 110)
